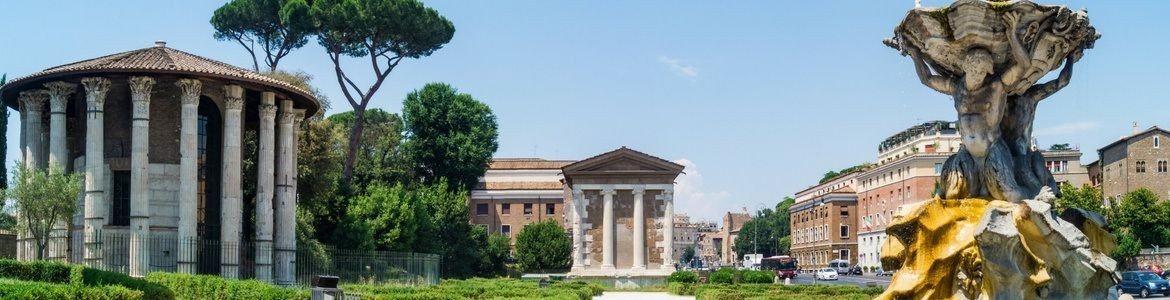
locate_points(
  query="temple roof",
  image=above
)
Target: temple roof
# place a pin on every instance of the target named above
(157, 59)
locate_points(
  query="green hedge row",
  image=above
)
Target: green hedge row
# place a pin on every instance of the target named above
(683, 277)
(17, 289)
(480, 289)
(186, 286)
(731, 276)
(78, 275)
(750, 291)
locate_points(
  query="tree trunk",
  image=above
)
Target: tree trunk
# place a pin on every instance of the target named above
(355, 137)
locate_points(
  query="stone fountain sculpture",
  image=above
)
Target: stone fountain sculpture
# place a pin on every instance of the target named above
(990, 232)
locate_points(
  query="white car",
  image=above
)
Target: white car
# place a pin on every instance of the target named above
(826, 274)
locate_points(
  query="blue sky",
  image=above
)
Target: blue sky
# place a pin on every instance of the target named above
(757, 98)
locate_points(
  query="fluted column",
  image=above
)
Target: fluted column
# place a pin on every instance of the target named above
(140, 88)
(668, 229)
(95, 159)
(607, 227)
(284, 225)
(59, 93)
(188, 173)
(34, 106)
(232, 193)
(639, 220)
(264, 187)
(21, 252)
(578, 236)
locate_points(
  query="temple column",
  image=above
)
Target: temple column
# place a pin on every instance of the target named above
(284, 225)
(95, 184)
(188, 173)
(21, 253)
(639, 220)
(34, 106)
(607, 227)
(232, 193)
(59, 93)
(264, 187)
(668, 229)
(578, 236)
(140, 88)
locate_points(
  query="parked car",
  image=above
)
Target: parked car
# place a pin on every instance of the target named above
(1143, 283)
(881, 272)
(840, 265)
(826, 274)
(855, 270)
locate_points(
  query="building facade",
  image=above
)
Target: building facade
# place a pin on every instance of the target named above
(158, 134)
(1134, 162)
(908, 168)
(824, 222)
(1066, 167)
(516, 192)
(689, 234)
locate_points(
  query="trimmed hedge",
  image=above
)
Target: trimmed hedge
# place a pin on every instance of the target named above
(724, 276)
(78, 275)
(683, 277)
(480, 289)
(679, 288)
(17, 289)
(186, 286)
(775, 291)
(757, 277)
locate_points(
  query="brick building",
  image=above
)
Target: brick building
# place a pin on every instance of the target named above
(824, 222)
(515, 192)
(1136, 161)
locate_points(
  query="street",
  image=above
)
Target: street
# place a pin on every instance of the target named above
(859, 280)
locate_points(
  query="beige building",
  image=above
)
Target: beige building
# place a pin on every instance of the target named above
(908, 168)
(1136, 161)
(515, 192)
(688, 233)
(1065, 166)
(158, 134)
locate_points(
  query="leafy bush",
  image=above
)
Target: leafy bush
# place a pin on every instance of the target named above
(775, 291)
(543, 246)
(43, 271)
(679, 288)
(16, 289)
(187, 286)
(757, 277)
(78, 275)
(683, 277)
(480, 289)
(725, 276)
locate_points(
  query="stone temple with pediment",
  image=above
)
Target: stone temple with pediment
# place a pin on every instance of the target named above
(617, 206)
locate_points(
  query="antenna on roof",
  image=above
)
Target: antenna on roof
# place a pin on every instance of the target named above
(160, 44)
(1135, 130)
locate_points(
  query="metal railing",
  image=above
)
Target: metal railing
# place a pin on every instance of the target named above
(164, 248)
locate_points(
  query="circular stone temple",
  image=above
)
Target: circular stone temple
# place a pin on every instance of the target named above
(159, 135)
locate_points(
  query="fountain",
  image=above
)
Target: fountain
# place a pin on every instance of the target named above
(990, 232)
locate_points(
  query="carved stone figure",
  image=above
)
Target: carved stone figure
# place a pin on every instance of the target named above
(990, 233)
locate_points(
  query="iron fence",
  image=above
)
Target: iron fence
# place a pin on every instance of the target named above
(214, 257)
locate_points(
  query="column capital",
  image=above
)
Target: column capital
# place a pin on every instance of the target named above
(233, 97)
(191, 89)
(668, 194)
(638, 190)
(140, 87)
(578, 193)
(298, 116)
(95, 91)
(267, 111)
(286, 116)
(608, 191)
(59, 92)
(34, 100)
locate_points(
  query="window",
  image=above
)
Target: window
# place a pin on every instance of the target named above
(527, 208)
(844, 254)
(481, 209)
(937, 169)
(1140, 166)
(550, 209)
(506, 208)
(120, 206)
(506, 230)
(1157, 141)
(844, 231)
(1062, 166)
(1162, 166)
(844, 211)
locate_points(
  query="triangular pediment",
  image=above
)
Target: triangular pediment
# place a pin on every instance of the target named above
(623, 160)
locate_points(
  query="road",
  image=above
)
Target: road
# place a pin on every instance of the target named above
(858, 280)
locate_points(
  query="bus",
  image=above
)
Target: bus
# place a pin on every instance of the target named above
(783, 265)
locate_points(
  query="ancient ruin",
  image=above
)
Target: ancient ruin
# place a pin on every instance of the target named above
(990, 232)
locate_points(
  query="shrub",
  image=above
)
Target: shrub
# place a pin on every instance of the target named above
(724, 276)
(78, 275)
(543, 246)
(757, 277)
(43, 271)
(679, 288)
(683, 277)
(186, 286)
(16, 289)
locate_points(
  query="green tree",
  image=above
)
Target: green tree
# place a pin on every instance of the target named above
(1128, 246)
(385, 218)
(783, 219)
(274, 27)
(304, 81)
(1085, 197)
(321, 147)
(758, 235)
(4, 141)
(784, 246)
(1141, 212)
(688, 254)
(495, 255)
(382, 32)
(543, 246)
(449, 135)
(1060, 147)
(43, 199)
(380, 158)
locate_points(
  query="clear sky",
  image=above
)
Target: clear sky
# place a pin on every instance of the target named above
(757, 98)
